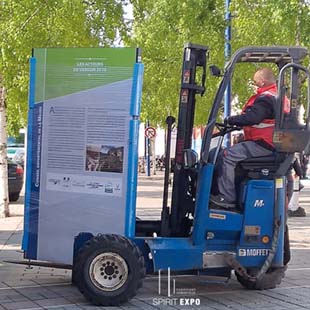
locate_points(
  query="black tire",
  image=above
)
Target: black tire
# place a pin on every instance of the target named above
(270, 280)
(273, 277)
(108, 270)
(13, 196)
(287, 247)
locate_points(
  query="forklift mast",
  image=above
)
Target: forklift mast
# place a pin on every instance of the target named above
(183, 199)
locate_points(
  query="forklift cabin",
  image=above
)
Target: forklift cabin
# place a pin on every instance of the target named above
(192, 236)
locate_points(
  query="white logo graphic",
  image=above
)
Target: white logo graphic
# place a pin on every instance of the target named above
(242, 252)
(174, 301)
(253, 252)
(259, 203)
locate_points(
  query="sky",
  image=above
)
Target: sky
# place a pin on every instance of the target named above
(129, 11)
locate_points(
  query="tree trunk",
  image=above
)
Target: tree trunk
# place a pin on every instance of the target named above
(4, 193)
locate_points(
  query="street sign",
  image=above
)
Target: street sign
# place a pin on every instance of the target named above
(150, 132)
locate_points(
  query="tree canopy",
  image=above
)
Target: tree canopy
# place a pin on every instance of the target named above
(26, 24)
(160, 28)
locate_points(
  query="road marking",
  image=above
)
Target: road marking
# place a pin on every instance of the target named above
(298, 269)
(55, 307)
(34, 286)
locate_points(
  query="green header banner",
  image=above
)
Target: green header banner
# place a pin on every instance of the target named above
(63, 71)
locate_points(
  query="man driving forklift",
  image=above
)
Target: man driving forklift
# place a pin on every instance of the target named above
(258, 121)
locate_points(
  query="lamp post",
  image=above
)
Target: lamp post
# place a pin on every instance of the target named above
(227, 52)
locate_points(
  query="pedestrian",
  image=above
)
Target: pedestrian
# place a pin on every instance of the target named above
(304, 165)
(294, 186)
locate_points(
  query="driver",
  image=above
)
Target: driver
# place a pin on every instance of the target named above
(258, 120)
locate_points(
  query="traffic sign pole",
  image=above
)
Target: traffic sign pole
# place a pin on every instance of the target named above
(148, 158)
(149, 133)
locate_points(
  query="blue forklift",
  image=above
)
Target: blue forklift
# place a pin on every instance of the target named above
(193, 235)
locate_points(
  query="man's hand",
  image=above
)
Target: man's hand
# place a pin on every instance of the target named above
(226, 120)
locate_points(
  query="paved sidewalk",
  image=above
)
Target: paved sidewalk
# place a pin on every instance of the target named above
(37, 288)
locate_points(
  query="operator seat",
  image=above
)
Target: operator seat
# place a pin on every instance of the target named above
(264, 167)
(293, 137)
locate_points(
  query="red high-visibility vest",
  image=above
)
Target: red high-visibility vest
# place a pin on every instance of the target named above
(263, 130)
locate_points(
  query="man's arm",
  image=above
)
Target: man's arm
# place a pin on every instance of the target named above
(261, 109)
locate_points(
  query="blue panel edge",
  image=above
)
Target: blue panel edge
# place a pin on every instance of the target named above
(31, 103)
(136, 93)
(34, 200)
(32, 189)
(135, 106)
(278, 259)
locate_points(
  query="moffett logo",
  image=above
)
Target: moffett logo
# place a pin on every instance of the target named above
(259, 203)
(253, 252)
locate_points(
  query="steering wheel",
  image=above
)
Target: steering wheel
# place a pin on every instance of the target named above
(220, 125)
(225, 128)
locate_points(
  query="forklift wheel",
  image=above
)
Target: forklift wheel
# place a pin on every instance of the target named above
(109, 270)
(270, 280)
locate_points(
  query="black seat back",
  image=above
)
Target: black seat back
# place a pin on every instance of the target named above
(266, 166)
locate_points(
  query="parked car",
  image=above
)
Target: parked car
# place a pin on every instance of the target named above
(16, 153)
(15, 179)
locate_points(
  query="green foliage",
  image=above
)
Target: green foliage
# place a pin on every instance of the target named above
(268, 22)
(26, 24)
(162, 27)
